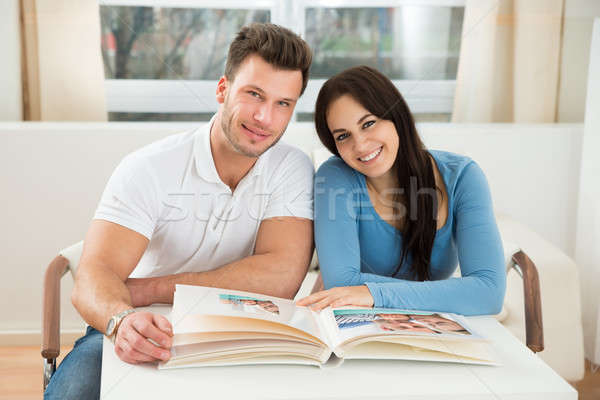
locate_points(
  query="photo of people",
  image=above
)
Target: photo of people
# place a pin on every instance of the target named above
(439, 323)
(400, 322)
(249, 304)
(397, 322)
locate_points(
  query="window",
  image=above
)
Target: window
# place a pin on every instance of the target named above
(162, 59)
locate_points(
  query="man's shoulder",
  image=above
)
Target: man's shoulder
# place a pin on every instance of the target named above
(284, 155)
(166, 157)
(167, 146)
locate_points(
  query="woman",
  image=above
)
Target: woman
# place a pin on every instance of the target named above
(392, 219)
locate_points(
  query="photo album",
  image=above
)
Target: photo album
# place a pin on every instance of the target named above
(215, 327)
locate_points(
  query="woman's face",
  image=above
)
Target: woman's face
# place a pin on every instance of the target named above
(365, 142)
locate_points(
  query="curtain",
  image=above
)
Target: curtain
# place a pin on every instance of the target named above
(63, 73)
(587, 251)
(509, 61)
(10, 67)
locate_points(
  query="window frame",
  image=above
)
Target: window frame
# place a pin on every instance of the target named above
(197, 96)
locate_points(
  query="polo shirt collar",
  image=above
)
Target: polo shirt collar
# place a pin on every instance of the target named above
(205, 163)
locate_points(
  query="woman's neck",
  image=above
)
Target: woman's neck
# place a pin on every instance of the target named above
(384, 185)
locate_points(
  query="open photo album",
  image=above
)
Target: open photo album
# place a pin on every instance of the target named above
(215, 327)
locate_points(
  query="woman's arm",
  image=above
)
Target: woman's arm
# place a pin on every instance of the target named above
(481, 288)
(337, 193)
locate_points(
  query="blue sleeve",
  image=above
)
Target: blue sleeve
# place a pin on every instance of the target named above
(337, 193)
(481, 287)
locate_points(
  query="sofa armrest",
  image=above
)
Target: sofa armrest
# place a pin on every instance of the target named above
(51, 307)
(534, 328)
(560, 300)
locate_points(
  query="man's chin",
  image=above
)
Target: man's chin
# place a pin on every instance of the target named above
(250, 151)
(256, 149)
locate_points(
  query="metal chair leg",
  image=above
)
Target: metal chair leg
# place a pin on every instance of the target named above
(49, 370)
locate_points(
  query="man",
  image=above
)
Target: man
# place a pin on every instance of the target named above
(220, 206)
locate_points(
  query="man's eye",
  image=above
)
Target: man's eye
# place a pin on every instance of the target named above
(253, 93)
(284, 103)
(368, 124)
(341, 137)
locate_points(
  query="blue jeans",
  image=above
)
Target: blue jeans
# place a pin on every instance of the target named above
(78, 375)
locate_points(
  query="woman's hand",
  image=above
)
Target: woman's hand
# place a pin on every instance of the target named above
(339, 296)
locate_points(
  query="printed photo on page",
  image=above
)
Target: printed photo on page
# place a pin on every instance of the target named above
(358, 322)
(249, 304)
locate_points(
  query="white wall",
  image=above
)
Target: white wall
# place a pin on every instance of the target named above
(53, 175)
(10, 66)
(575, 55)
(587, 252)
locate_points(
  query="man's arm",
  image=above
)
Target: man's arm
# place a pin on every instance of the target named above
(110, 253)
(282, 254)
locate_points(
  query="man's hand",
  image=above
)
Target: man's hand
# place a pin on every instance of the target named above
(133, 343)
(338, 297)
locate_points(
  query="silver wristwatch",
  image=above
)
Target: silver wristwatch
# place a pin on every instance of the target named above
(114, 322)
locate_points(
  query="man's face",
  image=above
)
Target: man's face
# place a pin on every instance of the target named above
(438, 322)
(257, 105)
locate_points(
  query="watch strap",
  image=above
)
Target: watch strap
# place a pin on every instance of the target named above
(118, 318)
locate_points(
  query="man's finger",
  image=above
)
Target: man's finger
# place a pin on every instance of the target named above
(139, 343)
(148, 330)
(131, 355)
(123, 355)
(163, 324)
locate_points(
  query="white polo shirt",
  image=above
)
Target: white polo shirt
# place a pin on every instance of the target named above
(170, 192)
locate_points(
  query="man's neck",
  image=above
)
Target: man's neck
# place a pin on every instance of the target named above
(231, 166)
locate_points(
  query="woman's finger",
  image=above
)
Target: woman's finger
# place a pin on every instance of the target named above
(343, 301)
(313, 298)
(318, 306)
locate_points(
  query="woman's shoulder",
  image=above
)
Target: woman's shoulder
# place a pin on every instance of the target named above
(460, 173)
(335, 170)
(450, 161)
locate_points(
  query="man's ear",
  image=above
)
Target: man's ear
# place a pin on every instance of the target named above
(222, 87)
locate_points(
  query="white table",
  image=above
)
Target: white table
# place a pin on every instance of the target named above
(522, 376)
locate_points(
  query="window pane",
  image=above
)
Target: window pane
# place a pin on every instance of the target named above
(169, 43)
(163, 117)
(419, 117)
(407, 42)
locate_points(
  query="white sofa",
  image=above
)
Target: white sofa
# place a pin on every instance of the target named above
(54, 173)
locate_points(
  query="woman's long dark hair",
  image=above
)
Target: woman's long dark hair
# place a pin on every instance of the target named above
(375, 92)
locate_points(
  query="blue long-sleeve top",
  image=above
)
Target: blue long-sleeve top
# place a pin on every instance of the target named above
(355, 246)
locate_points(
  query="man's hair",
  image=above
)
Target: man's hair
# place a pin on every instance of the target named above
(275, 44)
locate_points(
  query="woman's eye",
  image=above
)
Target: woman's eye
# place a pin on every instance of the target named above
(368, 124)
(341, 137)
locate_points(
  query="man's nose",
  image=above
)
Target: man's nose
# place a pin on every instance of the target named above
(263, 114)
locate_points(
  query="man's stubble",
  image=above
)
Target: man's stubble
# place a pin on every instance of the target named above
(227, 127)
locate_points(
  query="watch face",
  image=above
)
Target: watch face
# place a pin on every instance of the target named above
(110, 327)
